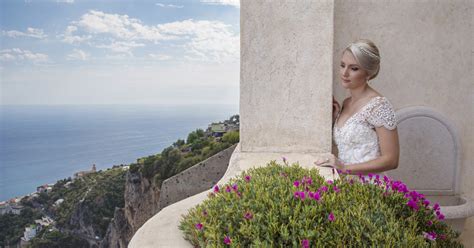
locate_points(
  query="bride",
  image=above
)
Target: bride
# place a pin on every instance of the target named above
(364, 131)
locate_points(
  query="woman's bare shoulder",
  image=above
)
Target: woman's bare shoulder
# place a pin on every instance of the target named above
(374, 93)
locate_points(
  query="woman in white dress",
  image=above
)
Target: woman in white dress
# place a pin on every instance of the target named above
(365, 126)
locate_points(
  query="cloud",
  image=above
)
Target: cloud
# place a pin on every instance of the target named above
(234, 3)
(207, 40)
(201, 40)
(119, 26)
(30, 32)
(65, 1)
(169, 6)
(17, 54)
(159, 56)
(78, 54)
(71, 38)
(121, 46)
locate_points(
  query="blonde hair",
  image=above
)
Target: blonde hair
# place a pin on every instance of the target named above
(367, 55)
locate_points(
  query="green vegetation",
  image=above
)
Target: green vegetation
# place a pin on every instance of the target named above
(56, 239)
(12, 226)
(181, 155)
(97, 194)
(289, 206)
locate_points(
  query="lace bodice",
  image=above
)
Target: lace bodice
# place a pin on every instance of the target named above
(356, 140)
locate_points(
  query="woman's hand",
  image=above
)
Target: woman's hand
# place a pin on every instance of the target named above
(335, 109)
(330, 161)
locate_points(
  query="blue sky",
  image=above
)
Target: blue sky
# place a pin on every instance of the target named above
(119, 52)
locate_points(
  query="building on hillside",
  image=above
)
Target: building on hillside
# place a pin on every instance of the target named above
(46, 188)
(30, 233)
(5, 209)
(68, 184)
(83, 173)
(44, 221)
(219, 129)
(10, 208)
(58, 202)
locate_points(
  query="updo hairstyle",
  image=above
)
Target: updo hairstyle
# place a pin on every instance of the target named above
(367, 55)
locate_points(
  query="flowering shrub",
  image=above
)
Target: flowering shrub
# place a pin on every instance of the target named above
(282, 206)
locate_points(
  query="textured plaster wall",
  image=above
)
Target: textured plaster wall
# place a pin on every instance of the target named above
(427, 60)
(286, 75)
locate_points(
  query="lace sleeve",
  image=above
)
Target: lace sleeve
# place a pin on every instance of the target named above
(382, 114)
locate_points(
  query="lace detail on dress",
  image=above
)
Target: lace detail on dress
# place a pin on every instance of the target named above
(356, 140)
(382, 114)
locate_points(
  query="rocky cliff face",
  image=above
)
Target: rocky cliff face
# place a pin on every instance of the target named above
(119, 231)
(79, 226)
(141, 203)
(142, 196)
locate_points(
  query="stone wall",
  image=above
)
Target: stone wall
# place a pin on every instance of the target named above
(196, 179)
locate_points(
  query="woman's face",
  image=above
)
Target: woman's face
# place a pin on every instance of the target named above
(352, 74)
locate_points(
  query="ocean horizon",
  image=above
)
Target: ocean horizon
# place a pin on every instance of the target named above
(41, 144)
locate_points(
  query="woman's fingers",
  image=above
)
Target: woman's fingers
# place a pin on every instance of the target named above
(326, 161)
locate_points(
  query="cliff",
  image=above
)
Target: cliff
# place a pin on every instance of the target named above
(141, 202)
(144, 198)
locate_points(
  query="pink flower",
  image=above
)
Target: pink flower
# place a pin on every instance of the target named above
(248, 216)
(440, 216)
(336, 189)
(430, 236)
(296, 183)
(330, 182)
(227, 240)
(199, 226)
(296, 194)
(331, 217)
(399, 186)
(436, 207)
(316, 196)
(302, 195)
(235, 187)
(247, 178)
(413, 204)
(216, 188)
(324, 188)
(308, 180)
(305, 243)
(228, 189)
(429, 223)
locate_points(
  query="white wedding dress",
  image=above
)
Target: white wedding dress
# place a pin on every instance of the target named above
(356, 140)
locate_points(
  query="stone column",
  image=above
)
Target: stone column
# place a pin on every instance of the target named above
(285, 101)
(286, 76)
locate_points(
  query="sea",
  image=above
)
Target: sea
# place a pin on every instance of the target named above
(40, 144)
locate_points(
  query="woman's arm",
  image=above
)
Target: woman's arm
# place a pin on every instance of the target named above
(389, 154)
(336, 108)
